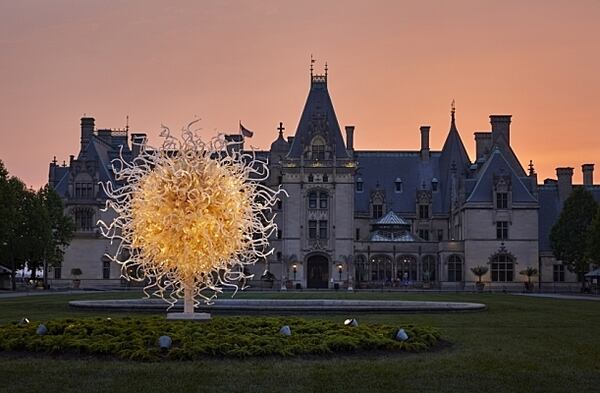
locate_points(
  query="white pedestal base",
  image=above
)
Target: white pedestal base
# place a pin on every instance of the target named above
(187, 316)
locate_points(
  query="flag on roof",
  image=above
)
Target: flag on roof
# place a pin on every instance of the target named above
(245, 132)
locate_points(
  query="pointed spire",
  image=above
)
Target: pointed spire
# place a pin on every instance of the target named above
(453, 116)
(531, 168)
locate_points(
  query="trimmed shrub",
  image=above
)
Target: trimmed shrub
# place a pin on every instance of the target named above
(238, 337)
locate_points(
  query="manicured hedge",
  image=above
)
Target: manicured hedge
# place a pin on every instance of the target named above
(137, 338)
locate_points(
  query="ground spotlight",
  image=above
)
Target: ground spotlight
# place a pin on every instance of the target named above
(351, 322)
(41, 330)
(165, 342)
(401, 335)
(24, 321)
(285, 330)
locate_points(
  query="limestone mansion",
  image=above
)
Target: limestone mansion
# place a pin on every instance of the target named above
(362, 219)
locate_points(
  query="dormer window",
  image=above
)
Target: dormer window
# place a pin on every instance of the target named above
(359, 185)
(423, 211)
(398, 184)
(325, 178)
(311, 178)
(434, 184)
(377, 210)
(502, 200)
(317, 149)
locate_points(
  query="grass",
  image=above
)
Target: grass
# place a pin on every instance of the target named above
(519, 344)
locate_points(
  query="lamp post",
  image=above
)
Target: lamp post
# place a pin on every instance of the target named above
(295, 270)
(340, 268)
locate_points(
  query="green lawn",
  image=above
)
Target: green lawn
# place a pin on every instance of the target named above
(519, 344)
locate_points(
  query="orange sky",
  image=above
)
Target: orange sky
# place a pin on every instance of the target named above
(393, 66)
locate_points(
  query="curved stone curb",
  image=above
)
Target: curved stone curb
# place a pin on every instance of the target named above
(287, 305)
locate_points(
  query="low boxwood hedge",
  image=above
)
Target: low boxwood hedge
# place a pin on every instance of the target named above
(137, 338)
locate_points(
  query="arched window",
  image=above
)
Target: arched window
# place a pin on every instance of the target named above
(312, 200)
(322, 200)
(503, 268)
(377, 209)
(455, 272)
(428, 266)
(362, 269)
(381, 268)
(406, 269)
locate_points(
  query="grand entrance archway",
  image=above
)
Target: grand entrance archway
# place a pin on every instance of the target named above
(317, 269)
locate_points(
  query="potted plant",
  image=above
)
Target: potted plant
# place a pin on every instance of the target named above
(479, 271)
(76, 272)
(529, 272)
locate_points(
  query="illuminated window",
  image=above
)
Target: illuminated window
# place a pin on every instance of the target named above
(455, 268)
(502, 268)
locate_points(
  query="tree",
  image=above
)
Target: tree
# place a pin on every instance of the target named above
(593, 240)
(12, 222)
(62, 226)
(33, 227)
(569, 235)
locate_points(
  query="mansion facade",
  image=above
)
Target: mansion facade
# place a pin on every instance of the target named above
(357, 218)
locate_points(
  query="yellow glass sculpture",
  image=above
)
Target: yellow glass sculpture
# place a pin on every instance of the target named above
(190, 216)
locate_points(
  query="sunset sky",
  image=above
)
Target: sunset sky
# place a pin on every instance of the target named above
(393, 66)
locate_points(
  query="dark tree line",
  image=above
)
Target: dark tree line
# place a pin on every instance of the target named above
(575, 237)
(33, 226)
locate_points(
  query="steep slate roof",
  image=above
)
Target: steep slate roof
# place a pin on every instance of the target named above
(379, 170)
(497, 164)
(318, 113)
(453, 152)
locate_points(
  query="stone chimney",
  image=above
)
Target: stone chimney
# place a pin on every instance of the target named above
(565, 183)
(425, 142)
(138, 141)
(87, 132)
(350, 137)
(588, 174)
(483, 144)
(500, 128)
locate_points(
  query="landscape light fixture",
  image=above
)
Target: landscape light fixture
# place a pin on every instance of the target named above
(191, 215)
(285, 330)
(295, 270)
(340, 268)
(401, 335)
(351, 322)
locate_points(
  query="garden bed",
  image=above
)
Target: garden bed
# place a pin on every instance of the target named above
(237, 337)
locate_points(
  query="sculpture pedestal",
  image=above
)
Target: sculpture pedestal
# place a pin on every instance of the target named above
(188, 313)
(188, 316)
